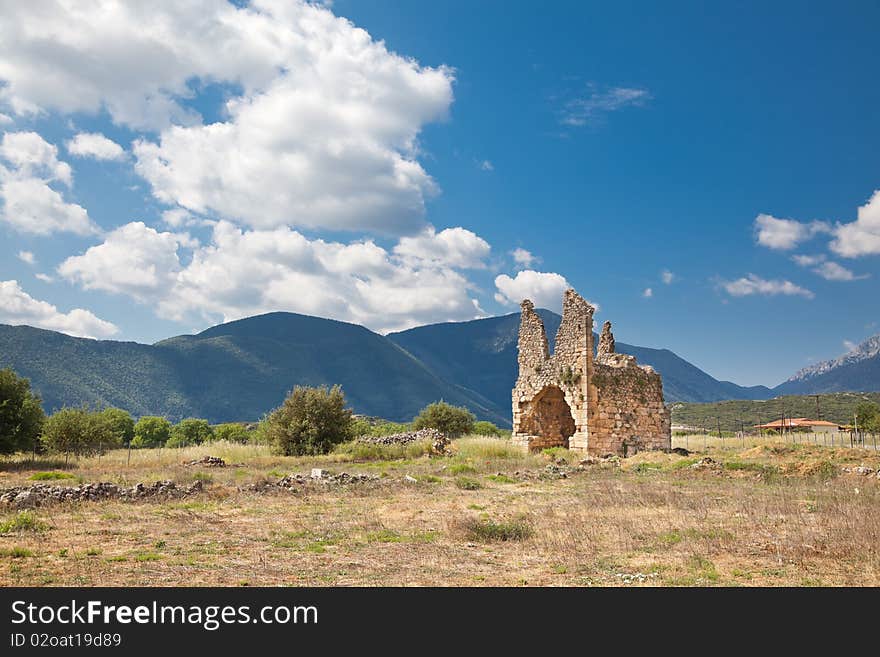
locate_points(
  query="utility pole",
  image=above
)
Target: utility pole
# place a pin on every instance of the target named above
(818, 412)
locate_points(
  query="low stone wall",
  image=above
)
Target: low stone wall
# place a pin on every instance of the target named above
(23, 497)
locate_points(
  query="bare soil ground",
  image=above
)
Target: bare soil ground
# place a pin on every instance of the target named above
(762, 514)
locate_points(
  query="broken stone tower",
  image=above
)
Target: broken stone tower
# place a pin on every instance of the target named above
(605, 404)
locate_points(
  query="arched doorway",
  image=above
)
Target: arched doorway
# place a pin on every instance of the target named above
(548, 417)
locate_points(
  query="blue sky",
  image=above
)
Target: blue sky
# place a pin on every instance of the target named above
(697, 173)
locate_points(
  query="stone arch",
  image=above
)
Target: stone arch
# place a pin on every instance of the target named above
(548, 417)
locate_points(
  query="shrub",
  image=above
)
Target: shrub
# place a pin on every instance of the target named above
(477, 529)
(77, 431)
(49, 476)
(466, 483)
(310, 421)
(23, 521)
(191, 431)
(454, 421)
(121, 425)
(231, 432)
(483, 428)
(151, 431)
(21, 414)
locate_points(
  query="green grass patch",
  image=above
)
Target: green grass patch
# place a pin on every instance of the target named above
(16, 552)
(461, 468)
(147, 556)
(486, 530)
(556, 452)
(361, 451)
(384, 536)
(23, 521)
(466, 483)
(203, 476)
(647, 467)
(501, 479)
(483, 448)
(49, 476)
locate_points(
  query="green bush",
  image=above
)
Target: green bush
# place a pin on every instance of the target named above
(77, 431)
(21, 414)
(453, 421)
(151, 431)
(120, 424)
(310, 421)
(191, 431)
(483, 428)
(231, 432)
(483, 529)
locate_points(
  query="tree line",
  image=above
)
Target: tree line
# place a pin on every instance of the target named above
(311, 420)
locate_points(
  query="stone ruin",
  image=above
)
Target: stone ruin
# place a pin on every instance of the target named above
(607, 404)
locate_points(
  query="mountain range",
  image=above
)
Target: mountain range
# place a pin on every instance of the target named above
(239, 370)
(856, 370)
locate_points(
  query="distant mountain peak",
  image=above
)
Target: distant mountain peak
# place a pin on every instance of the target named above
(867, 349)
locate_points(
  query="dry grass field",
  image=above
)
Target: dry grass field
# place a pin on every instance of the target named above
(762, 514)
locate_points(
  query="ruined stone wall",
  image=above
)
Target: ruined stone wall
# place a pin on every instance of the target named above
(604, 405)
(627, 413)
(549, 399)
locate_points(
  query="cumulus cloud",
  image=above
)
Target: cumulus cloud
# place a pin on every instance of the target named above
(786, 234)
(241, 273)
(453, 247)
(27, 257)
(832, 271)
(320, 129)
(827, 269)
(862, 236)
(95, 145)
(28, 166)
(134, 260)
(667, 277)
(753, 284)
(523, 258)
(44, 277)
(18, 307)
(648, 293)
(808, 260)
(592, 106)
(545, 289)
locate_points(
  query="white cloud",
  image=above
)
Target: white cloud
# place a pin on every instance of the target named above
(545, 289)
(27, 256)
(134, 260)
(785, 234)
(523, 258)
(18, 307)
(832, 271)
(486, 165)
(592, 106)
(95, 145)
(849, 345)
(753, 284)
(453, 247)
(29, 204)
(44, 277)
(667, 277)
(5, 119)
(827, 269)
(862, 236)
(320, 129)
(808, 260)
(648, 293)
(32, 156)
(241, 273)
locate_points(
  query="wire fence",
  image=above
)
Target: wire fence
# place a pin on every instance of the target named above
(848, 439)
